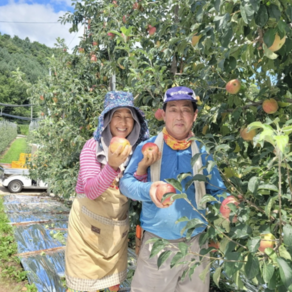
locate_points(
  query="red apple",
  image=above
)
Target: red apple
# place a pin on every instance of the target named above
(124, 19)
(115, 3)
(162, 190)
(233, 86)
(158, 114)
(215, 245)
(93, 58)
(151, 29)
(95, 43)
(150, 147)
(116, 142)
(81, 50)
(268, 240)
(270, 106)
(225, 210)
(114, 288)
(136, 5)
(111, 35)
(247, 135)
(42, 97)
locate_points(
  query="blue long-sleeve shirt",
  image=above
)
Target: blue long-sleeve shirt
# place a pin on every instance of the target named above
(161, 222)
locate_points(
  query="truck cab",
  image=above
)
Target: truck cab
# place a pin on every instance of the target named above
(17, 179)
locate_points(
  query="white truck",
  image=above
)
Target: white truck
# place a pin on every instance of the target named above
(16, 179)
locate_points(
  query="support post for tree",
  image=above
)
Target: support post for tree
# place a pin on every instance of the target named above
(113, 83)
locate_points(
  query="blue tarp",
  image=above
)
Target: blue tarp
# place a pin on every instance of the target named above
(40, 233)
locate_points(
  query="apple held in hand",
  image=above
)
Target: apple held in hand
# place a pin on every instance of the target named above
(162, 190)
(233, 86)
(225, 209)
(268, 240)
(116, 142)
(150, 147)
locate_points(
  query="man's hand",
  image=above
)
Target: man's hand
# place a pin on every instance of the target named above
(152, 194)
(115, 159)
(148, 159)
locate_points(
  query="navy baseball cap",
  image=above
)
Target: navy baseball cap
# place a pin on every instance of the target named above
(179, 93)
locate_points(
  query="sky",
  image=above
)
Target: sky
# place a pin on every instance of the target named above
(39, 21)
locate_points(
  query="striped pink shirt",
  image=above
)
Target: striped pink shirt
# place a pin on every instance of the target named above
(92, 179)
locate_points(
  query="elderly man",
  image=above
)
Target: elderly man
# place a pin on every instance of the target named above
(179, 114)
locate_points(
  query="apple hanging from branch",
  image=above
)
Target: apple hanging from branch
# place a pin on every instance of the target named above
(247, 135)
(225, 209)
(159, 114)
(270, 106)
(233, 86)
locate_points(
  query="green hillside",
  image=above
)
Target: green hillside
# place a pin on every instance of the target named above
(31, 59)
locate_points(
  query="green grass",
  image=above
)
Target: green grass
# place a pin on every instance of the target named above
(11, 270)
(23, 129)
(18, 146)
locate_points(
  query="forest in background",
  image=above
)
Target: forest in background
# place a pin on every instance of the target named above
(29, 57)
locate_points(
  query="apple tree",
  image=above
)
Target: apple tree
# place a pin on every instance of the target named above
(236, 55)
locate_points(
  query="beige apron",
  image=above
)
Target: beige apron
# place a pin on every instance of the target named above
(96, 249)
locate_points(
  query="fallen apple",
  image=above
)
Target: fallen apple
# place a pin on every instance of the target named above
(225, 209)
(162, 190)
(268, 240)
(159, 114)
(270, 106)
(247, 135)
(233, 86)
(116, 142)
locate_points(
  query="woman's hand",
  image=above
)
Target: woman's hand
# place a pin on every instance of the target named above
(115, 159)
(149, 158)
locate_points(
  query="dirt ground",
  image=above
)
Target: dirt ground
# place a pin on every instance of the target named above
(7, 285)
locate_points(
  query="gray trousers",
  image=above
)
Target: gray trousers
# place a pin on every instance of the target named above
(148, 278)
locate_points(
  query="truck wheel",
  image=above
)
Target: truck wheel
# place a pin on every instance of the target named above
(15, 186)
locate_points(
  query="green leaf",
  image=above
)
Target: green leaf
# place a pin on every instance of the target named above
(157, 247)
(251, 268)
(262, 17)
(195, 158)
(175, 259)
(269, 205)
(274, 11)
(253, 184)
(253, 244)
(163, 257)
(182, 219)
(269, 37)
(281, 142)
(211, 165)
(284, 253)
(176, 184)
(182, 176)
(222, 147)
(216, 276)
(203, 275)
(226, 36)
(268, 53)
(287, 229)
(285, 272)
(206, 199)
(183, 247)
(193, 223)
(254, 126)
(268, 187)
(179, 196)
(271, 253)
(198, 177)
(268, 271)
(287, 130)
(289, 12)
